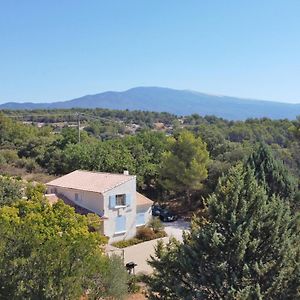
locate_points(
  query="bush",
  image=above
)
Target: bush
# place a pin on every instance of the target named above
(133, 287)
(2, 159)
(145, 234)
(156, 225)
(160, 234)
(30, 165)
(95, 223)
(127, 243)
(10, 156)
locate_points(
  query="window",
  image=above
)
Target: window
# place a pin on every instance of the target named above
(121, 200)
(120, 224)
(76, 197)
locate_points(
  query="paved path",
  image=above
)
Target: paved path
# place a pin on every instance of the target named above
(176, 228)
(141, 252)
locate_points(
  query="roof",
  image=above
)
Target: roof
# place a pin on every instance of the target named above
(142, 200)
(90, 181)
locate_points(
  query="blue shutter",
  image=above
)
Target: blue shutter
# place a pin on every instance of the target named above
(120, 224)
(128, 199)
(112, 201)
(140, 219)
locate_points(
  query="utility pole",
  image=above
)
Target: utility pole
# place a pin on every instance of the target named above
(78, 124)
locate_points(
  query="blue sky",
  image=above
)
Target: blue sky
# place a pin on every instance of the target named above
(62, 49)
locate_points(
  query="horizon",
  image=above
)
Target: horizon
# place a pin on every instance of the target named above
(162, 87)
(63, 50)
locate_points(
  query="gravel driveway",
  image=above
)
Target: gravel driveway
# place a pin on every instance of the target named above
(175, 229)
(141, 252)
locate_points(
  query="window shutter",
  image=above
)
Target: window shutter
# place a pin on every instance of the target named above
(112, 201)
(120, 224)
(128, 199)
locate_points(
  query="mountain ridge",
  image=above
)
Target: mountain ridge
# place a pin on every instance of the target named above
(179, 102)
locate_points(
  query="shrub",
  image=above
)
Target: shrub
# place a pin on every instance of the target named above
(2, 159)
(30, 165)
(10, 156)
(95, 223)
(145, 234)
(160, 234)
(127, 243)
(133, 287)
(156, 225)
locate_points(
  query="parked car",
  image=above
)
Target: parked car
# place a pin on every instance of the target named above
(163, 213)
(156, 210)
(167, 216)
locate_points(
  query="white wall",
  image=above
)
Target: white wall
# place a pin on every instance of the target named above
(146, 210)
(99, 203)
(90, 200)
(128, 187)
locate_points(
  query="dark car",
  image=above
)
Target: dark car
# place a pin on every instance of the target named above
(167, 216)
(156, 210)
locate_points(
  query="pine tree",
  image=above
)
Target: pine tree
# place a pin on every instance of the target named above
(184, 166)
(272, 172)
(245, 248)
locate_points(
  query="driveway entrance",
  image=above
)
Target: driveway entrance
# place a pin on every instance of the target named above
(140, 253)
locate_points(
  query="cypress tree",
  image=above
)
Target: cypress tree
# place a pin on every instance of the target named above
(272, 172)
(246, 247)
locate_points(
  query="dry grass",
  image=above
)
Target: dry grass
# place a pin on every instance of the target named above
(21, 172)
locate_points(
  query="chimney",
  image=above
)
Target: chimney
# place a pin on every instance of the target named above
(126, 172)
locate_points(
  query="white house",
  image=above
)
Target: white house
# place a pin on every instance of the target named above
(111, 196)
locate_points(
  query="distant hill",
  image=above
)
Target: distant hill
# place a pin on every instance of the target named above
(180, 102)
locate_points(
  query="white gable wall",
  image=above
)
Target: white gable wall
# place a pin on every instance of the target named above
(99, 203)
(129, 212)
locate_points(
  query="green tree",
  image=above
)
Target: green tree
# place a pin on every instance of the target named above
(10, 190)
(35, 191)
(146, 149)
(272, 173)
(184, 165)
(48, 252)
(246, 247)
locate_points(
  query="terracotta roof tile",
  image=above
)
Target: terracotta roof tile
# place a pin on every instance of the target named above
(90, 181)
(142, 200)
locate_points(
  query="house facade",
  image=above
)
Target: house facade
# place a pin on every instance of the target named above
(111, 196)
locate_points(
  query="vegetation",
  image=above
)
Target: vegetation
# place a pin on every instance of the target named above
(272, 173)
(49, 252)
(184, 164)
(153, 230)
(127, 243)
(156, 225)
(10, 190)
(243, 245)
(245, 248)
(143, 235)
